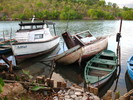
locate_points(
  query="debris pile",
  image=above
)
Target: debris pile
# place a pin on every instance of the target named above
(74, 93)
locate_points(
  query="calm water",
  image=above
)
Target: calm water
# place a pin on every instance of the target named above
(98, 28)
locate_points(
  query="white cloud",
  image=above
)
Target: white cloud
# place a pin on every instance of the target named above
(121, 3)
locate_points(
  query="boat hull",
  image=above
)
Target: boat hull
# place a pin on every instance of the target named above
(104, 81)
(22, 50)
(5, 50)
(130, 68)
(130, 73)
(82, 52)
(69, 57)
(130, 78)
(95, 48)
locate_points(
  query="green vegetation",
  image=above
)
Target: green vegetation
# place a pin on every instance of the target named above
(1, 84)
(62, 9)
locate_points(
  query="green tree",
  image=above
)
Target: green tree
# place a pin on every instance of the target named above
(1, 84)
(128, 14)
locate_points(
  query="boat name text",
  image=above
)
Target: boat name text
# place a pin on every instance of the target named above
(23, 46)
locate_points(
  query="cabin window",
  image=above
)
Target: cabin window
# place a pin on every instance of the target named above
(38, 36)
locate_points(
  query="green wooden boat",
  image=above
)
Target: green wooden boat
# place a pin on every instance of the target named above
(100, 68)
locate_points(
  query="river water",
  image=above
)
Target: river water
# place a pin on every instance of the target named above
(98, 28)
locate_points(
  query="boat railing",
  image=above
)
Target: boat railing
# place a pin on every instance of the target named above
(87, 31)
(35, 24)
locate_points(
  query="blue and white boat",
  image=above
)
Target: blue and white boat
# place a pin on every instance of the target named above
(130, 68)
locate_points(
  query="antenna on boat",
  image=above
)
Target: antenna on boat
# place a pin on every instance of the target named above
(4, 36)
(118, 36)
(33, 18)
(67, 22)
(11, 34)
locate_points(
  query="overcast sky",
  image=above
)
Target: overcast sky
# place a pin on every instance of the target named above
(121, 3)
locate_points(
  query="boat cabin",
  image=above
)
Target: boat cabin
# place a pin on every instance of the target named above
(34, 31)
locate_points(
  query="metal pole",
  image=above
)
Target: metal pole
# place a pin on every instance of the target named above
(118, 53)
(120, 26)
(3, 35)
(54, 29)
(11, 34)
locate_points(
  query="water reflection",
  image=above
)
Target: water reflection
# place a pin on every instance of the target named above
(71, 73)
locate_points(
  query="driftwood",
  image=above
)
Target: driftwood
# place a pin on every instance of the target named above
(63, 85)
(22, 82)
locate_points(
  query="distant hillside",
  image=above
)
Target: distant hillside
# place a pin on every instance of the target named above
(62, 9)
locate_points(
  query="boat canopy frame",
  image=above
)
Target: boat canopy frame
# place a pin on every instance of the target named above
(22, 24)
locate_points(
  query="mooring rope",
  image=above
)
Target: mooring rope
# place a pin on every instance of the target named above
(118, 36)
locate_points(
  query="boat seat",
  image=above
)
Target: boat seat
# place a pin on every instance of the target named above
(103, 61)
(108, 53)
(92, 79)
(102, 69)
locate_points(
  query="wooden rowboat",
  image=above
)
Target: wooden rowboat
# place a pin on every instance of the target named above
(80, 47)
(100, 68)
(130, 68)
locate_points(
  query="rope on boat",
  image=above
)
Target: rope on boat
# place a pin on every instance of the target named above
(118, 36)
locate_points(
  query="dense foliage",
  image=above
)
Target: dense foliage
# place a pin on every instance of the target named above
(1, 84)
(62, 9)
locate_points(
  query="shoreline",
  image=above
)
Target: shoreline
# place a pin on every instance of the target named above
(85, 18)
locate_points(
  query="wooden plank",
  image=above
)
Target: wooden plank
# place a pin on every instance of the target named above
(79, 41)
(92, 79)
(99, 73)
(108, 54)
(103, 61)
(98, 68)
(87, 31)
(69, 51)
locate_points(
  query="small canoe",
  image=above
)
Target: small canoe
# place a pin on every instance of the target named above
(130, 68)
(100, 68)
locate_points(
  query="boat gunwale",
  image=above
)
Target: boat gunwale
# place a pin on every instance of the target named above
(130, 71)
(68, 52)
(54, 38)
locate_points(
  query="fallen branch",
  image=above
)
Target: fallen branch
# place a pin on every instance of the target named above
(22, 82)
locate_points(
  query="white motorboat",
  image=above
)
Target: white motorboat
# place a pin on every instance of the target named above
(34, 39)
